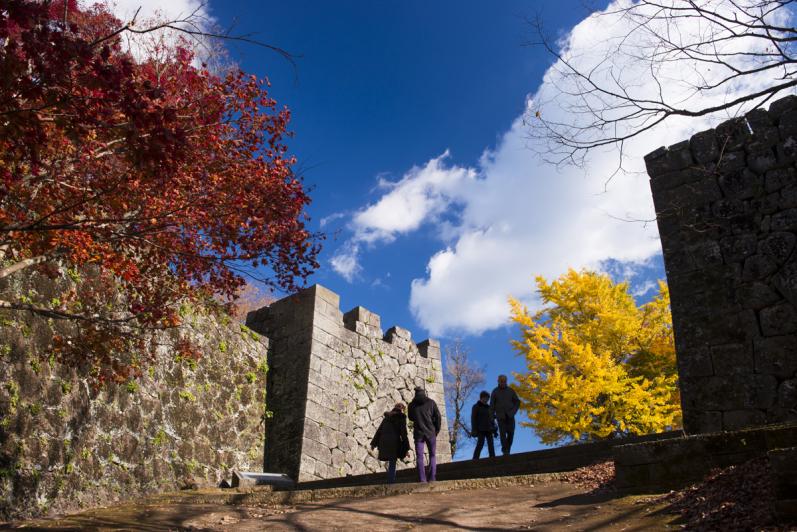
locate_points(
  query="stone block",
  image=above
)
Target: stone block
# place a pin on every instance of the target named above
(738, 182)
(738, 419)
(756, 295)
(785, 221)
(680, 177)
(768, 203)
(688, 196)
(327, 325)
(363, 315)
(764, 391)
(349, 337)
(732, 134)
(778, 246)
(761, 157)
(778, 320)
(787, 394)
(778, 178)
(362, 330)
(325, 294)
(778, 414)
(695, 362)
(312, 430)
(728, 208)
(705, 254)
(704, 146)
(758, 267)
(787, 125)
(787, 197)
(786, 151)
(244, 479)
(702, 421)
(665, 160)
(395, 333)
(727, 392)
(763, 126)
(732, 359)
(429, 349)
(778, 107)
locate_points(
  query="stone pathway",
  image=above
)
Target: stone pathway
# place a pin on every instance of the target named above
(544, 507)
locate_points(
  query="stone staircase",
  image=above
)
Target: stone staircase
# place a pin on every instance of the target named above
(556, 460)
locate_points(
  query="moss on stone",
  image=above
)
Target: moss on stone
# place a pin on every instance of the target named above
(187, 396)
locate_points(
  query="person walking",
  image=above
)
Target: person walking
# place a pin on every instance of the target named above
(425, 417)
(482, 425)
(504, 404)
(392, 440)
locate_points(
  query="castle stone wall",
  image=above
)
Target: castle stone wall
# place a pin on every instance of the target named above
(726, 205)
(65, 445)
(332, 376)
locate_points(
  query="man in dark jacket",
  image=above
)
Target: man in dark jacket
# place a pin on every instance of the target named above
(504, 404)
(392, 440)
(482, 425)
(425, 418)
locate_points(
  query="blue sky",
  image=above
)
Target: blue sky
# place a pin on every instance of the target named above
(380, 87)
(411, 132)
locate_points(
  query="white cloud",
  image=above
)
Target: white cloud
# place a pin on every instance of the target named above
(330, 218)
(522, 219)
(518, 217)
(345, 261)
(420, 196)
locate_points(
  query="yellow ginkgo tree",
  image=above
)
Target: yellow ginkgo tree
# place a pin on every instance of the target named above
(598, 365)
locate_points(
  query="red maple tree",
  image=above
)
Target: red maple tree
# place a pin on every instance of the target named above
(162, 178)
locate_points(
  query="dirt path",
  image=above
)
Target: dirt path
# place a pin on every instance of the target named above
(552, 506)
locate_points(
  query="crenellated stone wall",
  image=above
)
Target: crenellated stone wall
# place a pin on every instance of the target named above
(726, 205)
(332, 376)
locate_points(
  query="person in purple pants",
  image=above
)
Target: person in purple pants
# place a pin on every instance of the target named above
(425, 417)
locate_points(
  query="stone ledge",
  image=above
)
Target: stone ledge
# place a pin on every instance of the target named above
(652, 467)
(545, 461)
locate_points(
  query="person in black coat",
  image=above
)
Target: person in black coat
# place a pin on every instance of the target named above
(426, 419)
(392, 440)
(504, 404)
(482, 425)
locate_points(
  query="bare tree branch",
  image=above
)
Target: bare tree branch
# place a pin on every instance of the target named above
(463, 377)
(657, 60)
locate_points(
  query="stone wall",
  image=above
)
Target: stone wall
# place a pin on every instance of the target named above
(659, 466)
(66, 445)
(332, 377)
(726, 205)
